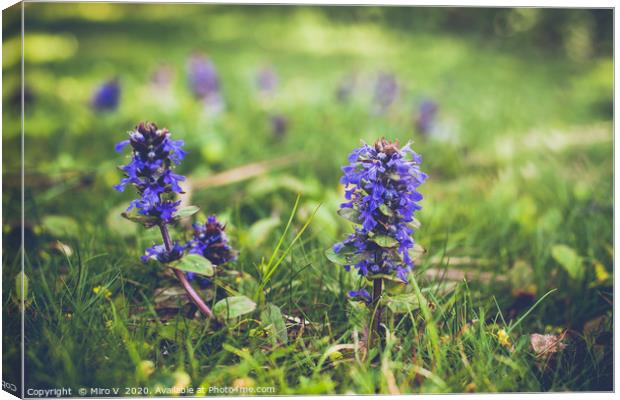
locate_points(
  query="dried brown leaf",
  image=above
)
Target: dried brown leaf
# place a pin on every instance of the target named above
(544, 346)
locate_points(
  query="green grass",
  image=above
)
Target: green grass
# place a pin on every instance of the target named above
(531, 170)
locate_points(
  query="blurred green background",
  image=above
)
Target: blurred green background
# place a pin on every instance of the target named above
(518, 147)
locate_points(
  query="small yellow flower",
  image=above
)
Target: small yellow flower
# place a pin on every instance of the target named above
(601, 273)
(504, 339)
(100, 289)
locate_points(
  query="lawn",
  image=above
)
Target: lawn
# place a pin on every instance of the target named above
(515, 226)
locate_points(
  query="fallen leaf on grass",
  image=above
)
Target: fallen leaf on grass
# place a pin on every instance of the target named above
(545, 346)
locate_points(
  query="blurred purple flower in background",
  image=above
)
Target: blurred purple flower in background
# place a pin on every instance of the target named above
(279, 125)
(386, 92)
(267, 80)
(426, 116)
(204, 82)
(202, 76)
(107, 96)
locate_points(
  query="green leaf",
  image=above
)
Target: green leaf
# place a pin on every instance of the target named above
(194, 263)
(271, 316)
(145, 220)
(346, 256)
(186, 212)
(385, 210)
(233, 307)
(60, 226)
(350, 214)
(569, 260)
(384, 241)
(336, 258)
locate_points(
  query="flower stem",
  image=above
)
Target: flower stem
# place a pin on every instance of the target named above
(377, 287)
(195, 297)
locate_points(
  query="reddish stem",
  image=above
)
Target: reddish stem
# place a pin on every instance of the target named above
(195, 297)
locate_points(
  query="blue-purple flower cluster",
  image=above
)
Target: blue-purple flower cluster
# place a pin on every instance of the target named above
(203, 78)
(159, 252)
(106, 96)
(210, 241)
(204, 81)
(267, 80)
(150, 171)
(381, 188)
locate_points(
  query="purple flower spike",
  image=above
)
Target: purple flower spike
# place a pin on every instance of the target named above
(203, 78)
(211, 242)
(153, 156)
(279, 125)
(107, 96)
(204, 82)
(381, 186)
